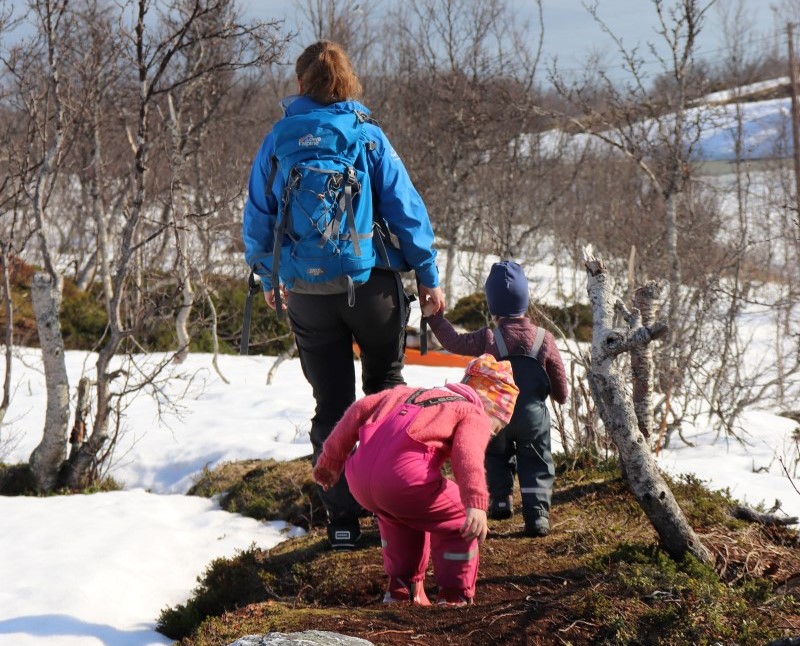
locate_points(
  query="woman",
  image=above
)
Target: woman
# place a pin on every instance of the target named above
(374, 313)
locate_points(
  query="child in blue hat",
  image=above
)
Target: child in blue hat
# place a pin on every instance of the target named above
(523, 446)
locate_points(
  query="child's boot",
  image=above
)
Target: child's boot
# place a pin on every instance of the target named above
(454, 597)
(399, 591)
(537, 525)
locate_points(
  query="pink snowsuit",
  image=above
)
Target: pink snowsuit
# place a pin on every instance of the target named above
(395, 473)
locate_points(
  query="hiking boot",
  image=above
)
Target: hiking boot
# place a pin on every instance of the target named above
(343, 538)
(501, 508)
(399, 591)
(537, 527)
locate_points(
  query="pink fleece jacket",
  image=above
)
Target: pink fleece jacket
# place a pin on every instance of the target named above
(460, 429)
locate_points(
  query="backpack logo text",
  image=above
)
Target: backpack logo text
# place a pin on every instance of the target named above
(309, 140)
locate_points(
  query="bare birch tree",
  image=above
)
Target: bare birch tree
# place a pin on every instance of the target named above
(653, 126)
(10, 245)
(617, 412)
(37, 68)
(454, 66)
(168, 58)
(351, 23)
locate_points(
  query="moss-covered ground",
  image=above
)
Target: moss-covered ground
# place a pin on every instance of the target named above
(598, 578)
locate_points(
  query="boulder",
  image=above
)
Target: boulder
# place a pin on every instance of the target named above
(305, 638)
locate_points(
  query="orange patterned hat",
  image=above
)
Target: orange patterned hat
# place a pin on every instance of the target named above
(494, 382)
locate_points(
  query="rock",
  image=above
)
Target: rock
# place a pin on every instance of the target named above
(305, 638)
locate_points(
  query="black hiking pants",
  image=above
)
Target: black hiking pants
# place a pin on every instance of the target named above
(325, 327)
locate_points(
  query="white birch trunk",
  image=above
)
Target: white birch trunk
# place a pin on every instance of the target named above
(187, 298)
(617, 411)
(449, 272)
(99, 213)
(47, 458)
(675, 274)
(8, 339)
(181, 226)
(645, 300)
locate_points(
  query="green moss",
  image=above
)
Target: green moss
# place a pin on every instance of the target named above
(600, 577)
(226, 584)
(575, 320)
(470, 312)
(687, 602)
(83, 318)
(266, 490)
(702, 506)
(18, 480)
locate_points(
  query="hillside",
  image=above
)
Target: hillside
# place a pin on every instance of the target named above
(597, 578)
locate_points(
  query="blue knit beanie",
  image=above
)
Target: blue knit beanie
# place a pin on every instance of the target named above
(507, 289)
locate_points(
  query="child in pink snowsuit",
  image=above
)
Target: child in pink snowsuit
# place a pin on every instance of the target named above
(404, 436)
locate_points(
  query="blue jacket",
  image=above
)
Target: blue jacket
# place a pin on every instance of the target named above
(396, 201)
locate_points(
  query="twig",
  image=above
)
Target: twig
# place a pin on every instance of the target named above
(575, 623)
(786, 471)
(663, 428)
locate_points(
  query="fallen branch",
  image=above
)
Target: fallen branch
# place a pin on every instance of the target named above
(785, 641)
(749, 514)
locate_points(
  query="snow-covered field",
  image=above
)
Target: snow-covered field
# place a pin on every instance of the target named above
(97, 569)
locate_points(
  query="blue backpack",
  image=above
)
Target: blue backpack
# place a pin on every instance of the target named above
(324, 228)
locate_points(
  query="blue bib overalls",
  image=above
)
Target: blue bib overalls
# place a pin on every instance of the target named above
(523, 446)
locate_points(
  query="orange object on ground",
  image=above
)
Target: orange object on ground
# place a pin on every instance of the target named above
(432, 358)
(436, 358)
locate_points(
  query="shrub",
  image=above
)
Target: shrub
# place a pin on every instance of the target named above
(575, 321)
(83, 318)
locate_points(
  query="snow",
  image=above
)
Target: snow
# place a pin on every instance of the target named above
(97, 569)
(724, 96)
(712, 126)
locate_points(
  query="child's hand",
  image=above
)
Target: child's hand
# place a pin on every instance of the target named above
(428, 309)
(475, 526)
(325, 478)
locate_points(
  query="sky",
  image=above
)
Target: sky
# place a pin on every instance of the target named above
(571, 34)
(96, 570)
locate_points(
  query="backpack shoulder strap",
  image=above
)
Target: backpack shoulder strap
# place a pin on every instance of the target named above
(273, 169)
(500, 343)
(433, 400)
(537, 342)
(503, 349)
(413, 396)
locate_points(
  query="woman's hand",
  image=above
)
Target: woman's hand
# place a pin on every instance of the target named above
(475, 526)
(269, 296)
(429, 309)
